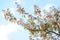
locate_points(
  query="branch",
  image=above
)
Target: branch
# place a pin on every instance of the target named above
(44, 30)
(53, 32)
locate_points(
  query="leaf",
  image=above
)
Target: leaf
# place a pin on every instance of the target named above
(15, 18)
(38, 11)
(59, 30)
(55, 28)
(32, 32)
(22, 10)
(35, 7)
(50, 27)
(12, 19)
(56, 15)
(35, 18)
(55, 23)
(40, 32)
(18, 22)
(48, 16)
(19, 10)
(44, 36)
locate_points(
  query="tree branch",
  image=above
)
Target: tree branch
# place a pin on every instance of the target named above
(53, 32)
(44, 30)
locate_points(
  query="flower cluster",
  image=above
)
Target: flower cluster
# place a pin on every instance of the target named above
(45, 26)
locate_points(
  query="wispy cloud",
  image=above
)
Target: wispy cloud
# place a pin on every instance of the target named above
(4, 30)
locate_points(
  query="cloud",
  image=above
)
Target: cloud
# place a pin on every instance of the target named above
(5, 29)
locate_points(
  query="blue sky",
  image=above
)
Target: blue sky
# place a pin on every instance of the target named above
(28, 5)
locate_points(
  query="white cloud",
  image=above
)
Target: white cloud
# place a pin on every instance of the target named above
(4, 30)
